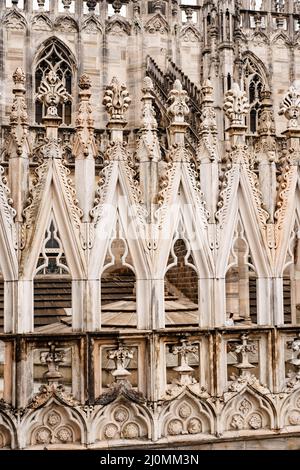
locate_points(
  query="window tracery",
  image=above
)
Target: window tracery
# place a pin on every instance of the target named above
(254, 84)
(54, 58)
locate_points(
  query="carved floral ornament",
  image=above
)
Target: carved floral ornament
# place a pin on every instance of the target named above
(290, 107)
(148, 112)
(178, 98)
(121, 357)
(236, 105)
(116, 100)
(18, 113)
(51, 93)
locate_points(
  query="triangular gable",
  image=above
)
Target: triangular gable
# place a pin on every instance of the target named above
(53, 193)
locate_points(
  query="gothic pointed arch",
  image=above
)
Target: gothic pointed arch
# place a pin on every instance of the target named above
(14, 19)
(118, 280)
(92, 25)
(157, 24)
(186, 415)
(249, 411)
(53, 424)
(291, 275)
(289, 414)
(66, 24)
(189, 33)
(242, 197)
(287, 212)
(117, 190)
(255, 79)
(181, 192)
(241, 281)
(53, 179)
(42, 22)
(122, 420)
(8, 433)
(8, 234)
(281, 39)
(54, 55)
(117, 25)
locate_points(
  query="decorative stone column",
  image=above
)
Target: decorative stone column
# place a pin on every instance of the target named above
(84, 149)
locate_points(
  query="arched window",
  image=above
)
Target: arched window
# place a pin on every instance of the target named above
(52, 283)
(118, 282)
(254, 83)
(291, 280)
(240, 282)
(181, 286)
(55, 57)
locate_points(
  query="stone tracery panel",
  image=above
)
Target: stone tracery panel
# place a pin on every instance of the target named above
(186, 416)
(122, 420)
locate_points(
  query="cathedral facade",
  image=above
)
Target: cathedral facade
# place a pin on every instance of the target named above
(149, 224)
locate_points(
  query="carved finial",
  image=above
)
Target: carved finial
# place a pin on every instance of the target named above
(19, 76)
(148, 113)
(147, 86)
(51, 93)
(53, 358)
(121, 358)
(116, 100)
(189, 14)
(91, 4)
(178, 99)
(208, 125)
(243, 349)
(290, 107)
(66, 4)
(18, 115)
(185, 371)
(266, 124)
(236, 105)
(157, 6)
(84, 120)
(117, 5)
(41, 4)
(207, 91)
(85, 82)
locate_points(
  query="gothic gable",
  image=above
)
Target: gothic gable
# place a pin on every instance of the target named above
(157, 24)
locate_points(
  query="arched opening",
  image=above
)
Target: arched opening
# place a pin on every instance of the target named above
(291, 281)
(254, 82)
(52, 284)
(56, 58)
(241, 283)
(118, 283)
(181, 286)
